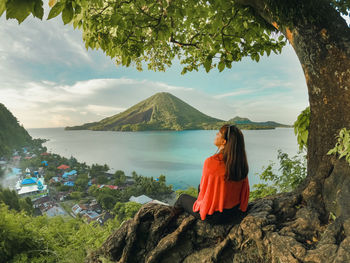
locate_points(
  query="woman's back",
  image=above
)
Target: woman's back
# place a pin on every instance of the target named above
(216, 193)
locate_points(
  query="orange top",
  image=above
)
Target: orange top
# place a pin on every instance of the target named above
(217, 194)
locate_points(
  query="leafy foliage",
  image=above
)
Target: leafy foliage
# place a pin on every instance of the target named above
(21, 9)
(190, 191)
(124, 211)
(301, 128)
(12, 135)
(342, 6)
(293, 172)
(12, 200)
(198, 33)
(107, 197)
(342, 147)
(41, 239)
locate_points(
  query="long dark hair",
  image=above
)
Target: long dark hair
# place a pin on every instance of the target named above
(234, 155)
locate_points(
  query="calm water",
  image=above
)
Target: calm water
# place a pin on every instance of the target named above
(177, 154)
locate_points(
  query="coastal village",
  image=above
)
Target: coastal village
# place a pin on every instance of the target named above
(58, 186)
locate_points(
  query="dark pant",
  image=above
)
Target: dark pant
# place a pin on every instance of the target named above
(232, 215)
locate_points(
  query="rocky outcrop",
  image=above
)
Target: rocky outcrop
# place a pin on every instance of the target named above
(281, 228)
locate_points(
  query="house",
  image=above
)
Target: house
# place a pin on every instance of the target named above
(69, 183)
(89, 215)
(31, 186)
(113, 187)
(142, 199)
(69, 174)
(129, 180)
(55, 179)
(41, 201)
(95, 206)
(63, 167)
(79, 208)
(16, 158)
(61, 196)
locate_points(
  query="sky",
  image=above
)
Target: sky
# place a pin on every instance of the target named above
(49, 79)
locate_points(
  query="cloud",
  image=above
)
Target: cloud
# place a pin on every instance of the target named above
(55, 105)
(234, 93)
(104, 111)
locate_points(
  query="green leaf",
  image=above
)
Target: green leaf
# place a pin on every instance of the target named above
(221, 66)
(245, 24)
(2, 6)
(304, 136)
(56, 10)
(332, 151)
(38, 9)
(207, 64)
(115, 18)
(67, 13)
(19, 9)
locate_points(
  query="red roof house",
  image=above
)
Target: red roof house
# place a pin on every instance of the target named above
(63, 167)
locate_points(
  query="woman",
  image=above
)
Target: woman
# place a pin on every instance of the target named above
(224, 188)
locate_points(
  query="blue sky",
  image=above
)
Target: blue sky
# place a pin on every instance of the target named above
(49, 79)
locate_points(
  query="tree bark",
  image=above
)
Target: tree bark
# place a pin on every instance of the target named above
(321, 40)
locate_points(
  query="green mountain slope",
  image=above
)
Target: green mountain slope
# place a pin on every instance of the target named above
(162, 111)
(245, 123)
(12, 135)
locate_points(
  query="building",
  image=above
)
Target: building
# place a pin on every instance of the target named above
(142, 199)
(34, 187)
(89, 215)
(69, 174)
(63, 167)
(79, 208)
(41, 202)
(112, 187)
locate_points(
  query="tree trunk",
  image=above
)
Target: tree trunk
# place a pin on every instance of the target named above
(321, 40)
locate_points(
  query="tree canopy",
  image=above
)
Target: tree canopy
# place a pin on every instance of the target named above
(199, 33)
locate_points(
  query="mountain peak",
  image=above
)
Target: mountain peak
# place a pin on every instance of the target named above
(162, 111)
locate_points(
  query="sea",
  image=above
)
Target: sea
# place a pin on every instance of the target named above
(179, 155)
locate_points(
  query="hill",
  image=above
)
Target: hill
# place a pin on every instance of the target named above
(245, 123)
(12, 134)
(162, 111)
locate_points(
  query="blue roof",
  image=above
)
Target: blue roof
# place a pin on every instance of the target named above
(29, 180)
(66, 174)
(69, 183)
